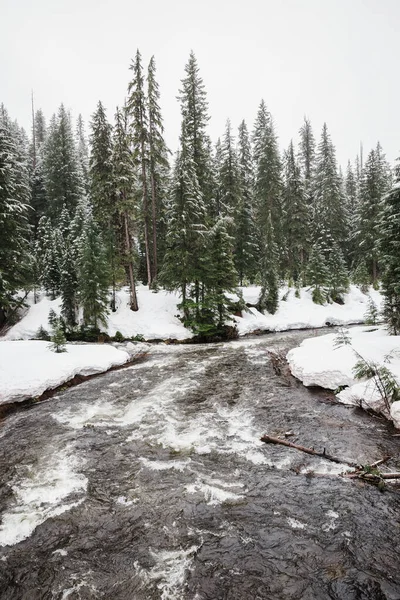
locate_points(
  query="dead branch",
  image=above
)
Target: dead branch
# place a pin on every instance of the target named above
(267, 439)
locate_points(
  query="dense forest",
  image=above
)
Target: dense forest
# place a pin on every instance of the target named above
(81, 216)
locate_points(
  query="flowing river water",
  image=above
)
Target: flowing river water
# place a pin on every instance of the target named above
(151, 483)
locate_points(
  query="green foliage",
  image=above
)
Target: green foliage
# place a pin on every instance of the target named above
(372, 314)
(42, 334)
(389, 229)
(118, 337)
(361, 276)
(338, 278)
(317, 274)
(58, 340)
(269, 295)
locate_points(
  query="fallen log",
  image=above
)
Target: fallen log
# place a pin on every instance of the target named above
(267, 439)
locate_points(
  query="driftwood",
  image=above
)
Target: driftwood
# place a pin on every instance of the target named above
(369, 473)
(267, 439)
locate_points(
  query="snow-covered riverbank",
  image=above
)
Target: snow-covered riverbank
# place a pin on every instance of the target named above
(158, 315)
(317, 361)
(29, 368)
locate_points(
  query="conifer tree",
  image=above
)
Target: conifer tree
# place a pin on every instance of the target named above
(186, 237)
(93, 275)
(329, 216)
(68, 270)
(247, 241)
(296, 217)
(269, 295)
(14, 210)
(268, 181)
(229, 177)
(83, 152)
(352, 198)
(317, 273)
(101, 170)
(64, 186)
(338, 280)
(126, 206)
(374, 184)
(58, 340)
(137, 111)
(389, 236)
(158, 169)
(307, 158)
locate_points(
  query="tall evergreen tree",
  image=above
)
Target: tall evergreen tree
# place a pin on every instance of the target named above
(83, 152)
(307, 157)
(296, 216)
(93, 275)
(14, 210)
(101, 169)
(329, 214)
(268, 177)
(158, 169)
(246, 239)
(137, 110)
(374, 184)
(269, 294)
(317, 273)
(126, 205)
(389, 236)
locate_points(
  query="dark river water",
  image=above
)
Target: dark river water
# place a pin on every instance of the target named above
(151, 483)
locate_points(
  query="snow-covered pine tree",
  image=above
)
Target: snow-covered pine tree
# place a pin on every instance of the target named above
(83, 152)
(64, 185)
(296, 217)
(317, 273)
(14, 210)
(126, 204)
(269, 295)
(268, 181)
(68, 270)
(375, 182)
(136, 106)
(93, 276)
(306, 157)
(338, 280)
(185, 258)
(101, 183)
(329, 214)
(229, 175)
(246, 240)
(158, 169)
(40, 129)
(389, 236)
(352, 199)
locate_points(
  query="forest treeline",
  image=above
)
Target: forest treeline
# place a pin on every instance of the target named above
(80, 216)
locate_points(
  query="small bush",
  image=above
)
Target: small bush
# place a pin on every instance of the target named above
(118, 337)
(42, 334)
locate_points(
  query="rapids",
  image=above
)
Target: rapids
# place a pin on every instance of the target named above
(151, 483)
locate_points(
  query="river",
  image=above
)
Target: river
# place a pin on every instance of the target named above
(151, 483)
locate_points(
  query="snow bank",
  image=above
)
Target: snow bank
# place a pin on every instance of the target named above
(318, 362)
(303, 313)
(158, 315)
(29, 368)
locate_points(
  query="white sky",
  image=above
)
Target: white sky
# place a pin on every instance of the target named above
(333, 60)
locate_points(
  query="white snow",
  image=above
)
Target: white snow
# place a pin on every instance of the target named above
(318, 362)
(29, 368)
(303, 313)
(158, 315)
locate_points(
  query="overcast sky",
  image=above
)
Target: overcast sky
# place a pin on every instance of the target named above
(332, 60)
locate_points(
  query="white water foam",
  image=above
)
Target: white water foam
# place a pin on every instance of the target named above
(331, 524)
(165, 465)
(216, 491)
(40, 494)
(170, 571)
(295, 524)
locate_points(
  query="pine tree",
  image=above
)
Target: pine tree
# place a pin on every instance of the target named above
(126, 206)
(68, 270)
(269, 294)
(83, 152)
(93, 275)
(352, 200)
(101, 169)
(64, 186)
(317, 273)
(158, 169)
(329, 215)
(268, 181)
(187, 235)
(229, 177)
(58, 340)
(137, 111)
(306, 158)
(14, 210)
(40, 129)
(374, 184)
(338, 280)
(296, 217)
(247, 241)
(389, 236)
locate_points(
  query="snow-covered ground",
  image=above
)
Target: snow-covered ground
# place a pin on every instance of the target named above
(303, 313)
(29, 368)
(158, 316)
(317, 361)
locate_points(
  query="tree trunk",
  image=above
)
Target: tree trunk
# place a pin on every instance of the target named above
(128, 248)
